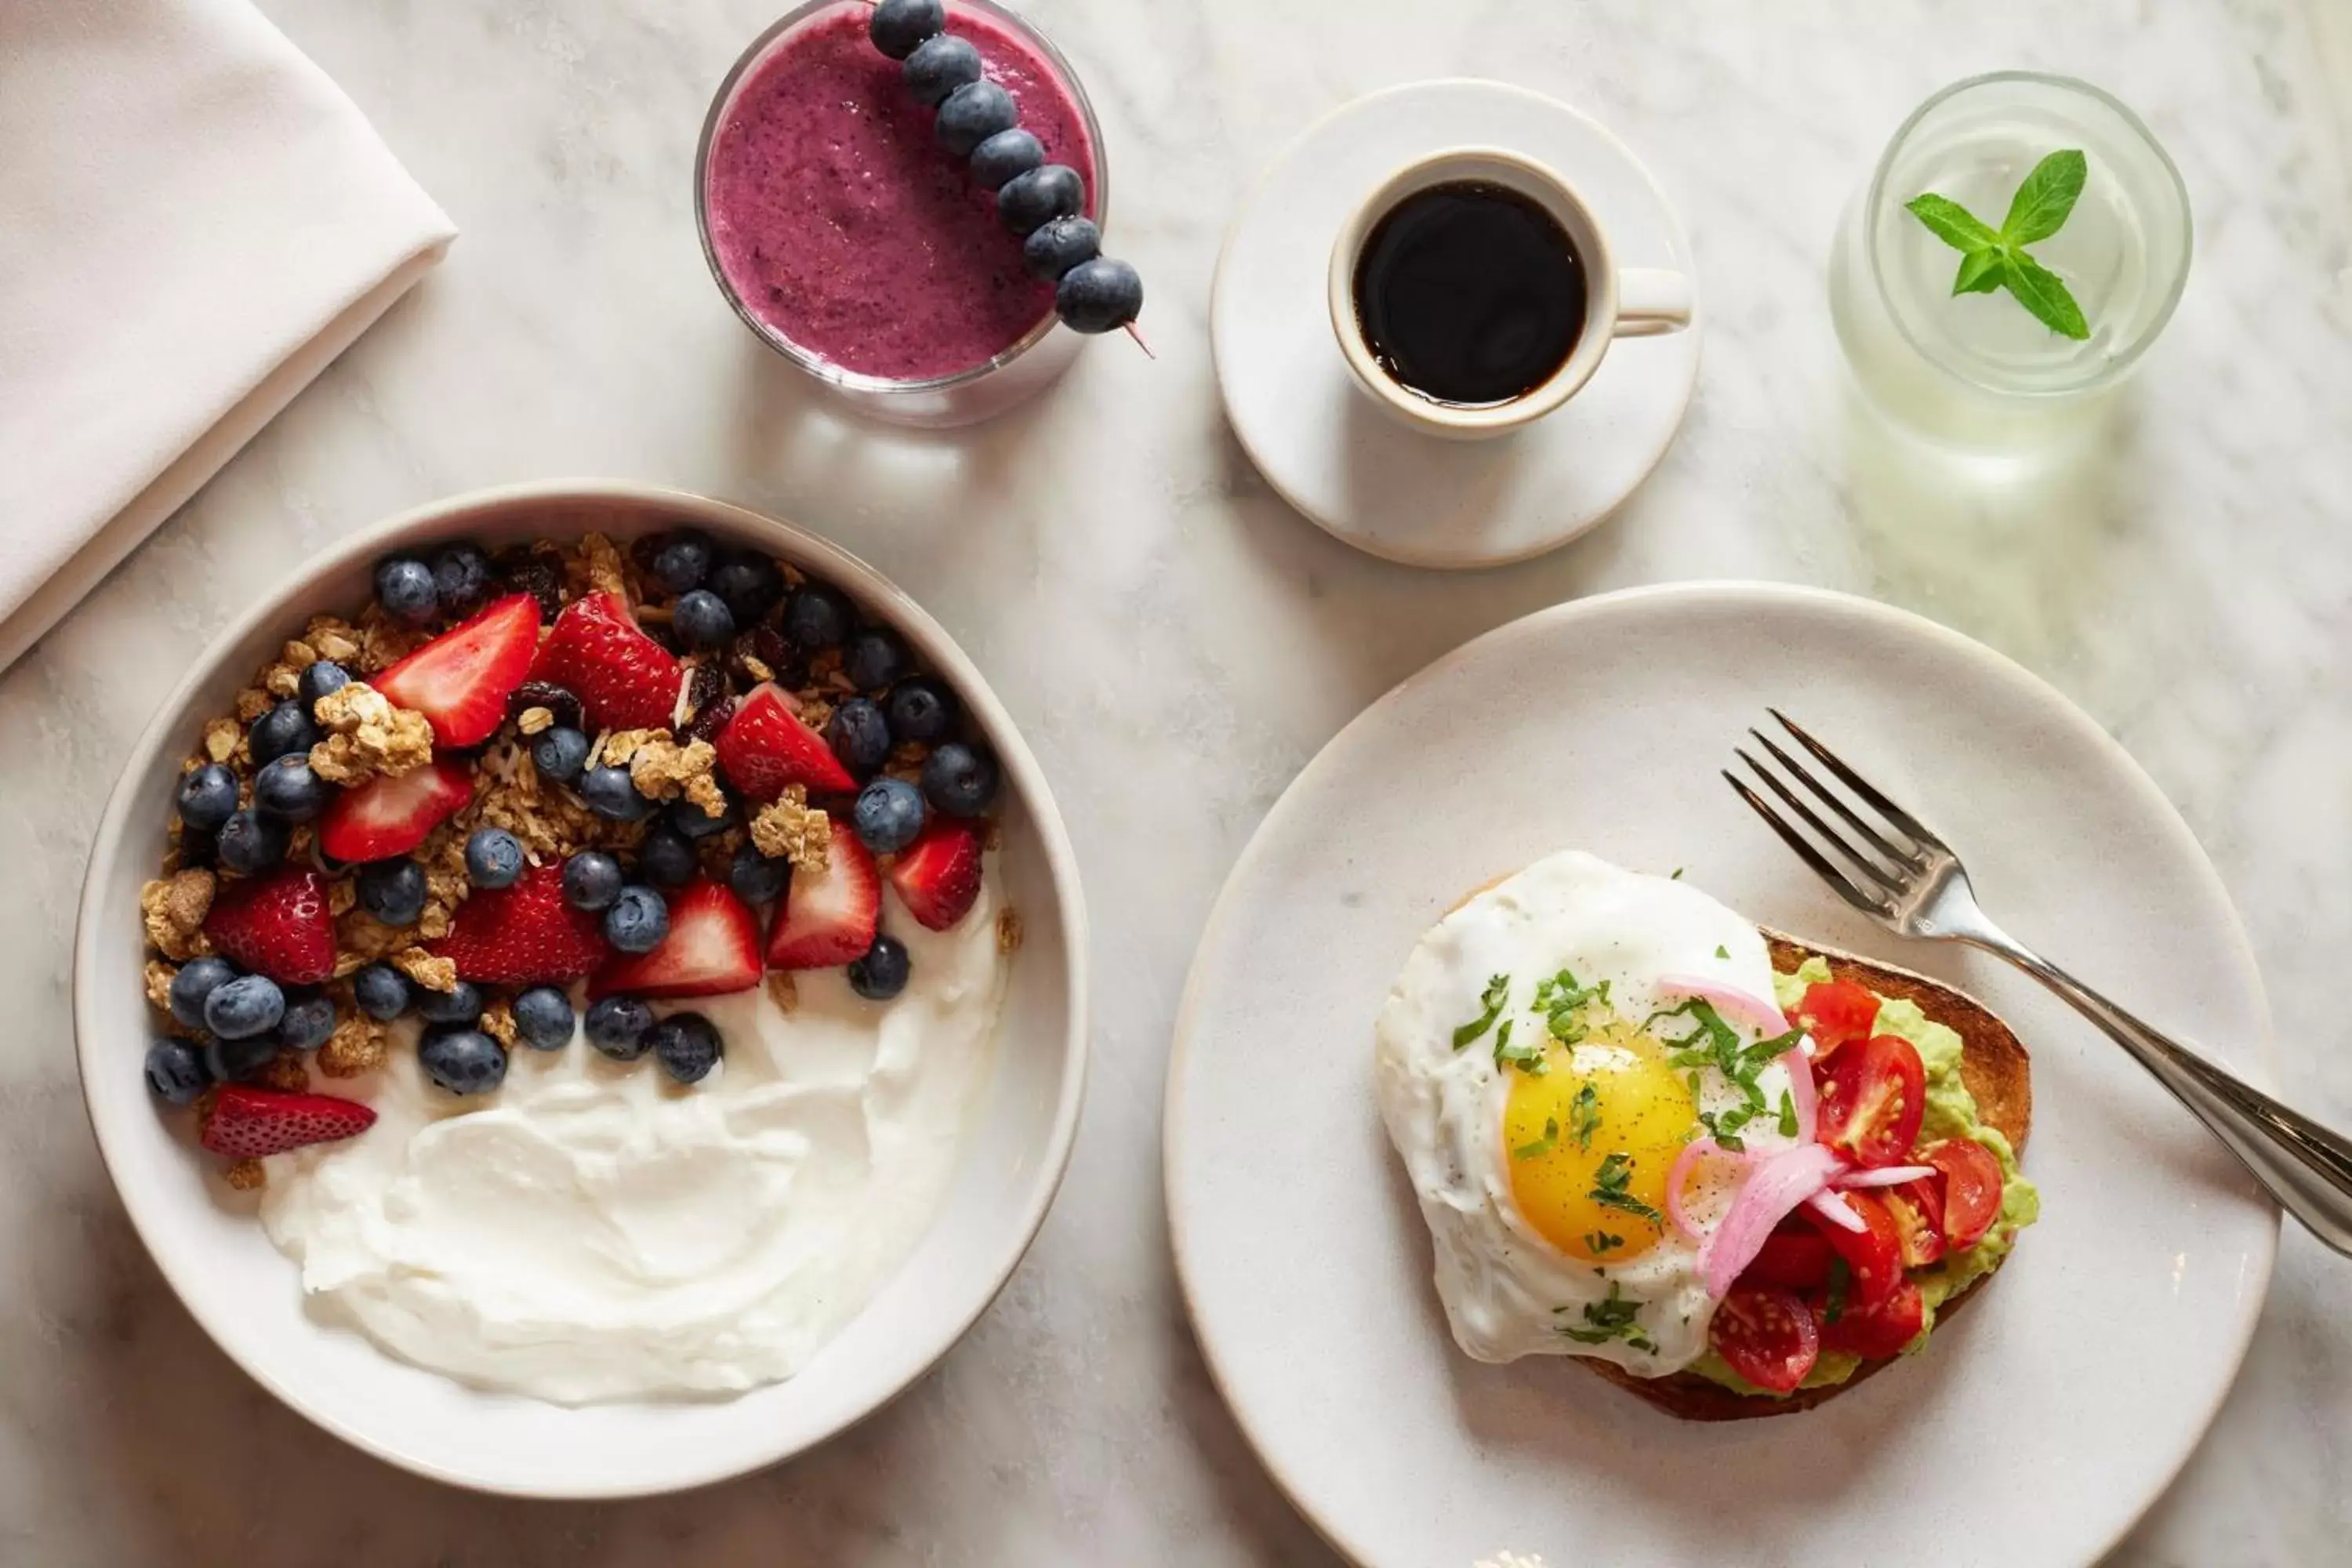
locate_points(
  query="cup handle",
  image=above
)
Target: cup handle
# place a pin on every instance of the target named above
(1651, 302)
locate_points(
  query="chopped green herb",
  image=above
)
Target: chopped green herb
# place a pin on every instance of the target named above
(1602, 1241)
(1834, 1305)
(1722, 951)
(1497, 993)
(1788, 1115)
(1541, 1146)
(1562, 1002)
(1528, 1058)
(1677, 876)
(1608, 1188)
(1584, 1116)
(1609, 1320)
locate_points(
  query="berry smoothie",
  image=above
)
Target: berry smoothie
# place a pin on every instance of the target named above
(842, 225)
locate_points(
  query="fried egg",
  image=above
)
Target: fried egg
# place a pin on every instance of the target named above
(1540, 1068)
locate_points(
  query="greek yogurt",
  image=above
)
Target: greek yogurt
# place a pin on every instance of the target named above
(597, 1232)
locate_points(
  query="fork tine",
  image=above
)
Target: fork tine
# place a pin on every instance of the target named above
(1863, 786)
(1838, 880)
(1863, 863)
(1836, 803)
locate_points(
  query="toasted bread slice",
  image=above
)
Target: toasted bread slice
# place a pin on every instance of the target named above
(1992, 1063)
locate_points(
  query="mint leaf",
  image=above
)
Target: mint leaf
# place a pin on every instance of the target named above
(1952, 223)
(2042, 205)
(1980, 272)
(2040, 291)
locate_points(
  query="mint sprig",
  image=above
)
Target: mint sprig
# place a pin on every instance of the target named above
(1994, 259)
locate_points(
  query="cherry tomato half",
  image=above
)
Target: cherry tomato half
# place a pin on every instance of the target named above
(1918, 1209)
(1871, 1096)
(1768, 1336)
(1835, 1014)
(1877, 1331)
(1873, 1254)
(1795, 1257)
(1971, 1189)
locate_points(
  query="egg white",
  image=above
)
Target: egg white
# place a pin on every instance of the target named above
(1508, 1292)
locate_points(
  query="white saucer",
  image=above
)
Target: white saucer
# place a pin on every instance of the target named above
(1324, 446)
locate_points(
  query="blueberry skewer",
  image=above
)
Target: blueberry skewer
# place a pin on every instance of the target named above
(1043, 202)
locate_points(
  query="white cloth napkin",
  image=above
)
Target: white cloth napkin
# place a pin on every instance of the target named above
(194, 222)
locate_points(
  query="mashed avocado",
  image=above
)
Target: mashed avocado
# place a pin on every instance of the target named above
(1951, 1112)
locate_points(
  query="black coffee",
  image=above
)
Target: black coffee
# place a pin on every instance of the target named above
(1470, 294)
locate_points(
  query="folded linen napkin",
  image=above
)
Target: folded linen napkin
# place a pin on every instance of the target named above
(194, 222)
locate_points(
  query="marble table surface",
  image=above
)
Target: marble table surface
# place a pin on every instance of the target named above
(1177, 643)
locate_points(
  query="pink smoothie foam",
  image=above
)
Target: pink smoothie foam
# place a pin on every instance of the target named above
(842, 224)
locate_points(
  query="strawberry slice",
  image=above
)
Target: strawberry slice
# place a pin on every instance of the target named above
(276, 925)
(461, 679)
(387, 816)
(247, 1123)
(624, 679)
(766, 747)
(524, 935)
(828, 917)
(713, 948)
(937, 876)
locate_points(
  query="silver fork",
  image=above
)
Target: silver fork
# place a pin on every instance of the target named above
(1911, 882)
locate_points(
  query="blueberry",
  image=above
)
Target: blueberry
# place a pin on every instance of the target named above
(702, 619)
(306, 1023)
(888, 814)
(560, 754)
(697, 824)
(287, 790)
(750, 585)
(1004, 155)
(898, 26)
(207, 796)
(666, 860)
(393, 891)
(1029, 201)
(250, 842)
(197, 979)
(688, 1045)
(462, 1061)
(921, 711)
(876, 657)
(859, 735)
(241, 1008)
(817, 617)
(683, 562)
(404, 588)
(938, 66)
(592, 880)
(175, 1071)
(1099, 296)
(959, 779)
(284, 730)
(637, 920)
(461, 580)
(493, 857)
(462, 1003)
(382, 992)
(611, 794)
(542, 1017)
(1053, 249)
(756, 879)
(617, 1025)
(230, 1060)
(318, 680)
(882, 973)
(971, 114)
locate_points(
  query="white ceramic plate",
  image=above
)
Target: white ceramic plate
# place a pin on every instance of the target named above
(247, 1295)
(2037, 1427)
(1321, 442)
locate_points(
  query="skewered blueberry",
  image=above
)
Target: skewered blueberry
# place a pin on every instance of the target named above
(637, 920)
(888, 814)
(230, 1060)
(404, 586)
(876, 657)
(703, 619)
(560, 754)
(382, 992)
(461, 580)
(207, 796)
(959, 779)
(920, 710)
(198, 978)
(493, 857)
(617, 1025)
(971, 114)
(666, 860)
(756, 879)
(250, 842)
(241, 1008)
(1099, 296)
(817, 617)
(1038, 197)
(285, 728)
(393, 891)
(881, 973)
(1054, 248)
(461, 1004)
(859, 736)
(938, 66)
(287, 790)
(898, 26)
(462, 1061)
(750, 583)
(697, 823)
(612, 794)
(318, 678)
(1004, 155)
(175, 1071)
(542, 1017)
(306, 1023)
(683, 561)
(688, 1045)
(592, 880)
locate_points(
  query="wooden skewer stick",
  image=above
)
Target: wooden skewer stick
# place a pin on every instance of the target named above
(1132, 332)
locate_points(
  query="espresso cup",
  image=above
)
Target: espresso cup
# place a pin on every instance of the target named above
(1630, 302)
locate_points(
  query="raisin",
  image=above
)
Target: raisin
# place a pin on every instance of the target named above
(705, 684)
(547, 695)
(708, 722)
(539, 572)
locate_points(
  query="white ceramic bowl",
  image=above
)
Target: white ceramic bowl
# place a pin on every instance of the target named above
(210, 1246)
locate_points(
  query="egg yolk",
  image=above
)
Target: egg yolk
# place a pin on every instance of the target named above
(1590, 1139)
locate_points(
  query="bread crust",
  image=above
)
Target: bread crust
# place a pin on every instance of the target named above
(1994, 1067)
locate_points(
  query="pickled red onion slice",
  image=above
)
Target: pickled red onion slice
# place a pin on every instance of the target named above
(1679, 1175)
(1883, 1176)
(1773, 1187)
(1836, 1210)
(1732, 1003)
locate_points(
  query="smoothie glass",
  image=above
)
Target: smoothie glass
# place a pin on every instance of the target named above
(980, 390)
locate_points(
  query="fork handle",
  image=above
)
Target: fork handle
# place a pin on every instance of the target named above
(2305, 1166)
